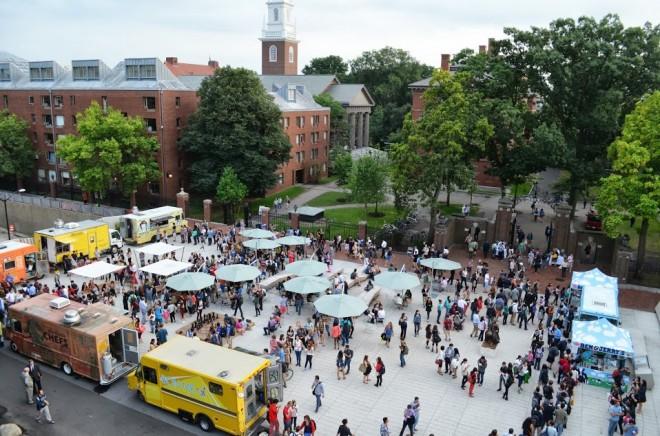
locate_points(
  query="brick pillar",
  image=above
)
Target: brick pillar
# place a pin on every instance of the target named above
(503, 220)
(294, 220)
(182, 201)
(53, 188)
(441, 236)
(621, 263)
(561, 226)
(265, 217)
(362, 230)
(208, 204)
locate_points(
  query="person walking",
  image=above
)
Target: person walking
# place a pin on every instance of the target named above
(435, 339)
(403, 324)
(273, 420)
(482, 363)
(403, 352)
(561, 418)
(447, 326)
(380, 370)
(348, 356)
(428, 307)
(508, 381)
(318, 391)
(387, 334)
(341, 365)
(385, 427)
(293, 413)
(298, 348)
(503, 372)
(428, 334)
(343, 429)
(28, 384)
(408, 420)
(472, 380)
(43, 407)
(35, 373)
(465, 370)
(365, 369)
(475, 325)
(309, 355)
(449, 356)
(417, 322)
(286, 418)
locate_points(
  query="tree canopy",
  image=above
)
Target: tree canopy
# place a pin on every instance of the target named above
(588, 75)
(368, 181)
(331, 64)
(236, 124)
(16, 152)
(632, 190)
(387, 73)
(338, 120)
(341, 164)
(110, 147)
(230, 191)
(438, 148)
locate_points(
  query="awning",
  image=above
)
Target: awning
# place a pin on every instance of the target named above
(595, 278)
(601, 336)
(599, 302)
(96, 269)
(158, 249)
(166, 267)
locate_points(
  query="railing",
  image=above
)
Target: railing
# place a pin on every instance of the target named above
(60, 203)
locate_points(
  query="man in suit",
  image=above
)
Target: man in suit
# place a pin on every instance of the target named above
(35, 373)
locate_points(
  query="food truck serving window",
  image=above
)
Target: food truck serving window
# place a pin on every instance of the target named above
(215, 388)
(150, 374)
(16, 326)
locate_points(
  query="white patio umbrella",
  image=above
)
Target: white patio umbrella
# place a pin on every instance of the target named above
(396, 280)
(307, 285)
(257, 233)
(293, 240)
(261, 244)
(340, 305)
(441, 264)
(237, 273)
(306, 268)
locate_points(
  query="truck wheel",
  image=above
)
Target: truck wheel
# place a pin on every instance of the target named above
(13, 347)
(66, 368)
(140, 396)
(113, 249)
(204, 423)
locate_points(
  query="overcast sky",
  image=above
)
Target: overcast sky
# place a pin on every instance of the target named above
(228, 30)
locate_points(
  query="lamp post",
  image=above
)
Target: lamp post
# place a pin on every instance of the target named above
(4, 200)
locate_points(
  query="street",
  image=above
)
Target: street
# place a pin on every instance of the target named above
(75, 407)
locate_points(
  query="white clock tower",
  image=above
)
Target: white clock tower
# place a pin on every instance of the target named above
(279, 46)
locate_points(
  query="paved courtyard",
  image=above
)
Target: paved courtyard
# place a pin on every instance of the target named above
(446, 409)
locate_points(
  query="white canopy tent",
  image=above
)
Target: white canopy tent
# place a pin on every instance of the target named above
(158, 249)
(166, 267)
(96, 269)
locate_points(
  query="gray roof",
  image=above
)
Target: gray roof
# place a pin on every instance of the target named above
(345, 93)
(110, 78)
(316, 84)
(424, 83)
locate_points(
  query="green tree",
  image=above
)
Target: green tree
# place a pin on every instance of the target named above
(341, 164)
(236, 124)
(439, 147)
(368, 181)
(332, 64)
(588, 74)
(387, 73)
(230, 192)
(16, 152)
(338, 120)
(632, 190)
(110, 146)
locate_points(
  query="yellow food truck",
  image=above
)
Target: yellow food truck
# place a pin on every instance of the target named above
(84, 238)
(212, 386)
(144, 225)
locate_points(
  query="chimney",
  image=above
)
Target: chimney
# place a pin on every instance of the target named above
(214, 64)
(171, 60)
(482, 49)
(444, 63)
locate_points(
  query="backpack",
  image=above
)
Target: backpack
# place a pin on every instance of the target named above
(382, 370)
(313, 425)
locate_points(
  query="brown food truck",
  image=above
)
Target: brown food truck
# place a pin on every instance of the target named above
(95, 341)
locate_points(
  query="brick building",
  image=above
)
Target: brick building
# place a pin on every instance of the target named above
(48, 96)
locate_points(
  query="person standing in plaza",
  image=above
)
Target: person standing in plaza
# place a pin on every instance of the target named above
(318, 391)
(35, 373)
(343, 429)
(465, 370)
(403, 324)
(615, 412)
(417, 407)
(408, 420)
(482, 363)
(309, 355)
(380, 370)
(403, 352)
(561, 418)
(385, 427)
(273, 420)
(298, 348)
(435, 339)
(447, 326)
(417, 322)
(28, 384)
(449, 356)
(503, 372)
(508, 381)
(43, 407)
(387, 334)
(307, 426)
(348, 356)
(472, 380)
(341, 366)
(286, 418)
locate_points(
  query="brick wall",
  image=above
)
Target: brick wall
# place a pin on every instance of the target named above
(282, 66)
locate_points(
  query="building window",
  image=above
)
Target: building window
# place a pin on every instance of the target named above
(280, 179)
(149, 103)
(5, 72)
(315, 153)
(85, 72)
(41, 175)
(5, 101)
(59, 121)
(66, 177)
(272, 53)
(315, 120)
(104, 102)
(177, 102)
(38, 74)
(31, 99)
(35, 137)
(150, 124)
(292, 54)
(48, 120)
(325, 168)
(72, 100)
(141, 69)
(45, 101)
(48, 138)
(52, 176)
(52, 159)
(325, 135)
(178, 122)
(291, 94)
(34, 118)
(74, 121)
(154, 188)
(300, 122)
(325, 120)
(300, 156)
(58, 101)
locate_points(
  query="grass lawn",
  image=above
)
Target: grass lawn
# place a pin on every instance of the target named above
(292, 192)
(522, 188)
(330, 199)
(353, 215)
(327, 180)
(652, 239)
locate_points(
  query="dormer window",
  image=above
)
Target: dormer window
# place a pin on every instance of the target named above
(5, 73)
(291, 94)
(41, 71)
(141, 69)
(85, 70)
(272, 53)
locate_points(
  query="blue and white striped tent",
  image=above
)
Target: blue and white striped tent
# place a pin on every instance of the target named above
(601, 336)
(599, 294)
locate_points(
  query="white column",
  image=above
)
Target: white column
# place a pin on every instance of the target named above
(351, 134)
